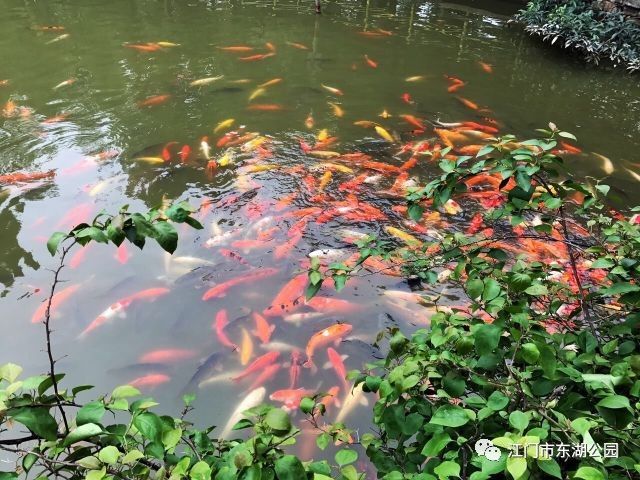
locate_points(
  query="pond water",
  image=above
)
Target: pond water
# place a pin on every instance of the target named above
(120, 80)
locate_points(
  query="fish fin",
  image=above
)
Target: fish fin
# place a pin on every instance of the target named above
(364, 401)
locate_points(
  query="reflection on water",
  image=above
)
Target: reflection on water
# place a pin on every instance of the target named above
(135, 83)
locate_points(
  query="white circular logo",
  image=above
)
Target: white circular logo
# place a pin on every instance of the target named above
(482, 445)
(492, 453)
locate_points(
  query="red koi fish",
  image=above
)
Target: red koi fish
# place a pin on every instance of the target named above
(166, 152)
(291, 398)
(120, 306)
(77, 215)
(219, 324)
(294, 369)
(236, 48)
(58, 299)
(331, 397)
(353, 184)
(333, 334)
(263, 330)
(168, 355)
(79, 257)
(468, 103)
(370, 62)
(486, 67)
(288, 298)
(480, 127)
(231, 254)
(185, 151)
(221, 289)
(150, 381)
(154, 100)
(406, 98)
(22, 177)
(250, 244)
(475, 225)
(253, 58)
(258, 364)
(283, 250)
(408, 165)
(338, 366)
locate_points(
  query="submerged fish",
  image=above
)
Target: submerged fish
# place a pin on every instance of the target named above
(206, 81)
(211, 366)
(252, 399)
(332, 334)
(58, 299)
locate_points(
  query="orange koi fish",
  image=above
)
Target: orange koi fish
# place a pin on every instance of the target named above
(166, 153)
(58, 299)
(231, 254)
(21, 177)
(294, 369)
(370, 62)
(154, 100)
(219, 324)
(291, 398)
(333, 334)
(236, 48)
(338, 366)
(246, 347)
(150, 381)
(168, 355)
(120, 306)
(9, 110)
(122, 254)
(267, 374)
(332, 305)
(486, 67)
(416, 122)
(299, 46)
(221, 289)
(468, 103)
(333, 90)
(265, 107)
(281, 251)
(79, 257)
(570, 148)
(263, 329)
(259, 56)
(406, 98)
(258, 364)
(309, 122)
(55, 119)
(270, 46)
(288, 298)
(337, 110)
(480, 127)
(143, 47)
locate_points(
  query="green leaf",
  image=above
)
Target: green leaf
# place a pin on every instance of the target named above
(322, 467)
(322, 440)
(132, 457)
(486, 338)
(474, 288)
(619, 288)
(36, 419)
(491, 290)
(278, 420)
(125, 391)
(312, 289)
(10, 372)
(415, 211)
(8, 476)
(567, 135)
(200, 471)
(497, 401)
(450, 416)
(28, 461)
(91, 462)
(54, 242)
(171, 438)
(81, 433)
(166, 236)
(288, 467)
(109, 455)
(149, 425)
(96, 474)
(436, 444)
(346, 456)
(94, 233)
(90, 413)
(614, 401)
(516, 466)
(519, 420)
(349, 473)
(447, 469)
(550, 467)
(588, 473)
(537, 290)
(530, 353)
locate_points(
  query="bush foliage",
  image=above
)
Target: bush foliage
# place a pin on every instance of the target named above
(576, 25)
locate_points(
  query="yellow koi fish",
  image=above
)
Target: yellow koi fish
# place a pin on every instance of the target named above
(325, 179)
(149, 159)
(256, 93)
(384, 134)
(246, 347)
(223, 125)
(270, 83)
(337, 110)
(324, 154)
(205, 81)
(401, 235)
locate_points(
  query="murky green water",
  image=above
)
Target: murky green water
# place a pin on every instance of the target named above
(102, 129)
